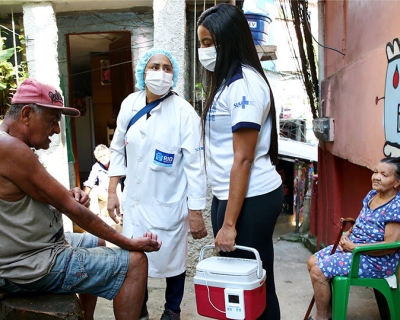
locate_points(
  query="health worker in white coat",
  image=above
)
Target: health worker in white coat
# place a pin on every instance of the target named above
(161, 157)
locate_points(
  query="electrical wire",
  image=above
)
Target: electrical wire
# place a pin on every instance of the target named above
(208, 294)
(4, 27)
(326, 47)
(282, 8)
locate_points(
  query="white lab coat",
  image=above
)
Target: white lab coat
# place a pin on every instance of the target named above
(160, 186)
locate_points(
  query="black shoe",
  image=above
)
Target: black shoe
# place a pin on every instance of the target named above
(170, 315)
(144, 314)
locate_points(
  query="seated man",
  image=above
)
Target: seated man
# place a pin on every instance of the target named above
(96, 186)
(35, 255)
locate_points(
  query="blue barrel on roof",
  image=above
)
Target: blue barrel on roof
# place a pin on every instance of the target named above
(259, 25)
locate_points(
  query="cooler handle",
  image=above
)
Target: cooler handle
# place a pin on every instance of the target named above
(259, 262)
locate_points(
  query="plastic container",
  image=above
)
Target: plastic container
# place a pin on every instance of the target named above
(259, 25)
(230, 288)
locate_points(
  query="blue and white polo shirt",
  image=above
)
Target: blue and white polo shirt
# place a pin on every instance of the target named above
(243, 103)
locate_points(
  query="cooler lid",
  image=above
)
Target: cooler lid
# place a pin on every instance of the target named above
(228, 266)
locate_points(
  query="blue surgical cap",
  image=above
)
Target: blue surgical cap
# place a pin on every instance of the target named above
(141, 66)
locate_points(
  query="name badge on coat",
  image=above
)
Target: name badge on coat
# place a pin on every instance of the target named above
(163, 159)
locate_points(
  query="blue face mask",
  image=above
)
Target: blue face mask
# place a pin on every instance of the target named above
(208, 57)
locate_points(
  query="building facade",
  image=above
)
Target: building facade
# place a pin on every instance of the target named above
(360, 97)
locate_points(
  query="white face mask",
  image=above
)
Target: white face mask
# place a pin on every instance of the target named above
(158, 82)
(208, 57)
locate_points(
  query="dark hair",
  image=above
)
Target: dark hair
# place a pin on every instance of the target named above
(235, 47)
(15, 109)
(395, 162)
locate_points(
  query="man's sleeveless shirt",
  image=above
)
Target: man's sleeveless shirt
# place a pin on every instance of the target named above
(31, 236)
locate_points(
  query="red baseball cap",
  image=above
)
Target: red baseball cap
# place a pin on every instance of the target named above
(33, 91)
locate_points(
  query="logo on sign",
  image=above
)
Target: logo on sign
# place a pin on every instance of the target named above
(163, 159)
(252, 24)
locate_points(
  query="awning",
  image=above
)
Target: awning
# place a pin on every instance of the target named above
(297, 150)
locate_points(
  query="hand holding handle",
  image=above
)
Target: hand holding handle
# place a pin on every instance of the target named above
(259, 262)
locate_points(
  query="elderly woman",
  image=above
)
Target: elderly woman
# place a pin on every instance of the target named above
(96, 186)
(378, 222)
(165, 186)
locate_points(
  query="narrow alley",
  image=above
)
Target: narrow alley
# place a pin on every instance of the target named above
(292, 283)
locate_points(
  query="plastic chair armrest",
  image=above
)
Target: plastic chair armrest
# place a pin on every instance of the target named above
(372, 247)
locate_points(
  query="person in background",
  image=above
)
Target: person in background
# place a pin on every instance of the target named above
(35, 254)
(165, 186)
(241, 141)
(96, 186)
(378, 222)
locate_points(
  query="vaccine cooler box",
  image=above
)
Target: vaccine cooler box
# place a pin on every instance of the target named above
(230, 288)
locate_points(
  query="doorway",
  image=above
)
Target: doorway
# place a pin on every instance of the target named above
(101, 77)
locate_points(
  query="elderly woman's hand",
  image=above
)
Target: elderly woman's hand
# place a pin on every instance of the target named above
(346, 245)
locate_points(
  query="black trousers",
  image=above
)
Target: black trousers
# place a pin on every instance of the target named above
(173, 293)
(255, 228)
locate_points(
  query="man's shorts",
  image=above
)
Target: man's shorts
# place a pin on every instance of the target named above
(81, 268)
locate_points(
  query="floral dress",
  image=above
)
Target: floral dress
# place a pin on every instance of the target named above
(369, 228)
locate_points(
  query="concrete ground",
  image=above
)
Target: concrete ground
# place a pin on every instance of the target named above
(292, 282)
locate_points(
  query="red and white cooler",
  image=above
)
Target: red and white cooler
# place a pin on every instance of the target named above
(230, 288)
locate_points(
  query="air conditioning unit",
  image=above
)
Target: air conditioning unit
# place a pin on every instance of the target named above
(324, 128)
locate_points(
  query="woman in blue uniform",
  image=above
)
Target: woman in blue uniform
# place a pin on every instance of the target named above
(241, 141)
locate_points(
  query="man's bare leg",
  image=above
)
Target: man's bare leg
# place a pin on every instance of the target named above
(88, 301)
(128, 301)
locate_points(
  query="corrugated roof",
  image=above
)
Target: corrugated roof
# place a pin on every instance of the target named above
(297, 150)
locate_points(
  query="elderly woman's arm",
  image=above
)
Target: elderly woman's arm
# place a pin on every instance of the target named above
(392, 234)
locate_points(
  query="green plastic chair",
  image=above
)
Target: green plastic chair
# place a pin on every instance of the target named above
(386, 287)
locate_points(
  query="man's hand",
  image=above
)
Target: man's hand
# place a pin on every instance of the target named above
(80, 196)
(196, 223)
(147, 243)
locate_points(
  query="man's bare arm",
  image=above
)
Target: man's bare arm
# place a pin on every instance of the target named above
(20, 166)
